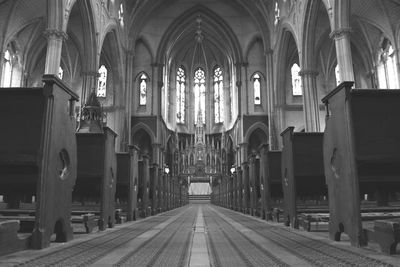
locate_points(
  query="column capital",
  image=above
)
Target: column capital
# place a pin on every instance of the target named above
(155, 145)
(308, 72)
(90, 73)
(339, 33)
(157, 65)
(55, 33)
(243, 144)
(241, 64)
(268, 52)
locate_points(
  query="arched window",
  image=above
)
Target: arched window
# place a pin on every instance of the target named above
(121, 14)
(277, 12)
(60, 73)
(387, 71)
(102, 83)
(180, 93)
(257, 89)
(337, 75)
(296, 80)
(7, 69)
(143, 90)
(218, 95)
(200, 94)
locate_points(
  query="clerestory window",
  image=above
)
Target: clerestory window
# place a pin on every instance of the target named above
(180, 92)
(102, 82)
(218, 94)
(200, 94)
(143, 90)
(387, 70)
(296, 80)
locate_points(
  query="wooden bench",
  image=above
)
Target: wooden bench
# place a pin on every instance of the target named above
(89, 221)
(361, 153)
(302, 170)
(26, 223)
(27, 219)
(38, 154)
(387, 234)
(97, 166)
(271, 179)
(127, 180)
(9, 240)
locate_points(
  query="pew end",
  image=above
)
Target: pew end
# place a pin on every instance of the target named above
(361, 154)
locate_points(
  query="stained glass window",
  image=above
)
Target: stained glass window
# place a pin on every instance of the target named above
(296, 80)
(200, 93)
(337, 75)
(143, 90)
(7, 69)
(121, 14)
(180, 92)
(218, 95)
(257, 89)
(102, 82)
(387, 71)
(60, 73)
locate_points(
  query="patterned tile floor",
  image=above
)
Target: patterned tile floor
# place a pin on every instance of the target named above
(200, 235)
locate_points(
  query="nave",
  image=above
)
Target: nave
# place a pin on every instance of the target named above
(200, 235)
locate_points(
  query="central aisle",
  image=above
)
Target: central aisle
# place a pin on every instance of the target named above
(199, 235)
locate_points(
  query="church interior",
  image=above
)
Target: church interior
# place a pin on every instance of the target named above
(200, 133)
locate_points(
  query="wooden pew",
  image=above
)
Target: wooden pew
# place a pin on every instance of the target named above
(361, 153)
(387, 234)
(97, 172)
(9, 240)
(97, 163)
(302, 170)
(271, 179)
(127, 180)
(38, 154)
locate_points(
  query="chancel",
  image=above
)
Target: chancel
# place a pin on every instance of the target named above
(199, 133)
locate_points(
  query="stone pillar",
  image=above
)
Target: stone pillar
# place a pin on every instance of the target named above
(160, 189)
(146, 185)
(252, 176)
(55, 40)
(246, 187)
(343, 53)
(133, 184)
(264, 184)
(153, 188)
(310, 98)
(240, 189)
(272, 134)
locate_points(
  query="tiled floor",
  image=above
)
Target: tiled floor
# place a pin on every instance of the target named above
(200, 235)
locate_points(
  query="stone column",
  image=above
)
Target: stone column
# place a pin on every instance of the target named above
(310, 98)
(272, 134)
(153, 188)
(240, 189)
(55, 40)
(146, 185)
(160, 189)
(133, 184)
(252, 176)
(246, 187)
(264, 183)
(343, 53)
